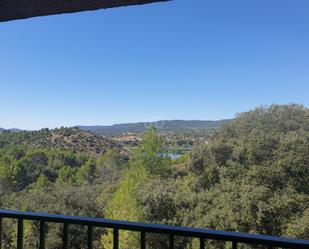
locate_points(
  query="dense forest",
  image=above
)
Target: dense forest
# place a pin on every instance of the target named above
(251, 176)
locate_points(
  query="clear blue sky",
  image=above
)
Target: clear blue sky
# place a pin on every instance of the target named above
(187, 59)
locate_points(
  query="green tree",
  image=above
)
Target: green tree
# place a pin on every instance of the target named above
(87, 173)
(149, 161)
(152, 154)
(125, 205)
(67, 175)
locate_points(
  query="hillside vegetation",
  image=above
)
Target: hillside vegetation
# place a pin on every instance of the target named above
(251, 176)
(163, 126)
(60, 139)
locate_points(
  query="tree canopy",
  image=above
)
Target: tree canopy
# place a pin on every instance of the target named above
(251, 175)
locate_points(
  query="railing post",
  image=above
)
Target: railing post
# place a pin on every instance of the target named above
(42, 235)
(65, 235)
(202, 243)
(20, 232)
(89, 237)
(234, 245)
(143, 240)
(116, 238)
(171, 233)
(171, 241)
(0, 232)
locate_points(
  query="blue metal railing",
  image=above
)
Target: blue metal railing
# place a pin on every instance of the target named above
(171, 231)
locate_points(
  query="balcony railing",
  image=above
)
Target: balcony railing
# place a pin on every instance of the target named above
(172, 231)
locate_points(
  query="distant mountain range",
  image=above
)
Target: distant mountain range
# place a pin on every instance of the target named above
(163, 126)
(12, 130)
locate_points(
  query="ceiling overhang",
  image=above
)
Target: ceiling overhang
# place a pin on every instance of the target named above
(20, 9)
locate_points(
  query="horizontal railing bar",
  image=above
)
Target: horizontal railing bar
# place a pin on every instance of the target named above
(161, 229)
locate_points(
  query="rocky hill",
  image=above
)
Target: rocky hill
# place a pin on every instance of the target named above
(62, 139)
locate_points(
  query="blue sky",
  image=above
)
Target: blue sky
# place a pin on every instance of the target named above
(186, 59)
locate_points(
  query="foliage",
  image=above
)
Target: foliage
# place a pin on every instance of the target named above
(251, 175)
(59, 139)
(151, 154)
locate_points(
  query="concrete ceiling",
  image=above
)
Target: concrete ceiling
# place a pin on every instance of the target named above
(20, 9)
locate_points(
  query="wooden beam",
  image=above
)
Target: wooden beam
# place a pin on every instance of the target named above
(20, 9)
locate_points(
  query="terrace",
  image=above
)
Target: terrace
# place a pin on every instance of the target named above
(20, 9)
